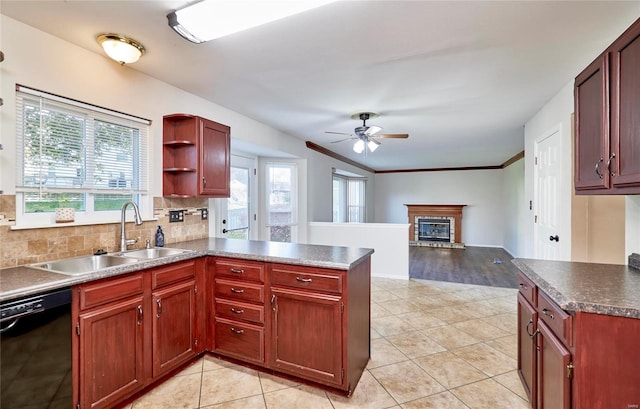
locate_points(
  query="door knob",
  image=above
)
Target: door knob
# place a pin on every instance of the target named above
(554, 238)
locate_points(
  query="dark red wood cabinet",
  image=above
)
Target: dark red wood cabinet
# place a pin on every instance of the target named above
(195, 156)
(131, 330)
(238, 305)
(135, 330)
(174, 318)
(527, 369)
(607, 120)
(108, 350)
(578, 360)
(320, 322)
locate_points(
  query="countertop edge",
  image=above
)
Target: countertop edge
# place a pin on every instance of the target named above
(573, 305)
(47, 281)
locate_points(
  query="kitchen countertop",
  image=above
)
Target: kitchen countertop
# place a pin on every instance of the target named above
(23, 281)
(606, 289)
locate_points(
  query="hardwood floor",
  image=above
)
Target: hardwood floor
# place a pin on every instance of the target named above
(473, 265)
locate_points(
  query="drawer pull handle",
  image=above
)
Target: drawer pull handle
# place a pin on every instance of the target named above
(237, 271)
(304, 280)
(523, 286)
(547, 313)
(237, 331)
(233, 310)
(233, 290)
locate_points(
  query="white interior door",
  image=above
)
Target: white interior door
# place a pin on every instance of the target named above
(235, 216)
(547, 175)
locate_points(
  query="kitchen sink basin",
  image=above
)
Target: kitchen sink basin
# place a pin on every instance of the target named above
(155, 252)
(83, 265)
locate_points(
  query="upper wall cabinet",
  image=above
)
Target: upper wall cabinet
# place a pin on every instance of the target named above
(195, 155)
(607, 120)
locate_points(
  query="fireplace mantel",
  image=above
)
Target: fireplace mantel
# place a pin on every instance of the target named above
(454, 211)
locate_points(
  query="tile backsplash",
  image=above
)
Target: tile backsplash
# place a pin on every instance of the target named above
(19, 247)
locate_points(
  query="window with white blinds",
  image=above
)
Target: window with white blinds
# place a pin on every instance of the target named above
(73, 154)
(349, 197)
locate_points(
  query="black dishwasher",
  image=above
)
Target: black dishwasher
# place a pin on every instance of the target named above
(35, 351)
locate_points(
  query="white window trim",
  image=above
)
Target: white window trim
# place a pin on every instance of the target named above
(87, 217)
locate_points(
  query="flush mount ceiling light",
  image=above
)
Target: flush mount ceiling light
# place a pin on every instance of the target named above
(121, 48)
(210, 19)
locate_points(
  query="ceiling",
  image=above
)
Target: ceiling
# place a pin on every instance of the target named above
(461, 78)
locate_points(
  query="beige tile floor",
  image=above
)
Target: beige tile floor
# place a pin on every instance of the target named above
(434, 345)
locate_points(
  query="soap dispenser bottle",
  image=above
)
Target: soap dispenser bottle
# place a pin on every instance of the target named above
(159, 237)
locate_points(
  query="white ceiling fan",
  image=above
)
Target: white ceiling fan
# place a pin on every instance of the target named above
(366, 135)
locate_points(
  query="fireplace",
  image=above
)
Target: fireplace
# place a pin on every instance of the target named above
(434, 229)
(435, 225)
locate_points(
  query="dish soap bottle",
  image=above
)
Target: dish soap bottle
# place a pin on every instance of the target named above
(159, 237)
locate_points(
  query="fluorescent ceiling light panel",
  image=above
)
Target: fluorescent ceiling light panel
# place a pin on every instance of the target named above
(210, 19)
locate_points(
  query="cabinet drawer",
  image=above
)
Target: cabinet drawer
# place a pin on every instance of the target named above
(105, 291)
(239, 290)
(240, 269)
(528, 289)
(239, 311)
(559, 321)
(173, 273)
(241, 340)
(309, 279)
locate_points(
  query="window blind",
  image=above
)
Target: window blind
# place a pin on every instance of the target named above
(67, 146)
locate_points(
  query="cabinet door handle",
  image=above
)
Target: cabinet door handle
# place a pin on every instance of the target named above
(304, 280)
(237, 331)
(159, 304)
(233, 290)
(532, 336)
(612, 173)
(527, 328)
(547, 313)
(233, 310)
(597, 169)
(139, 314)
(273, 301)
(237, 271)
(204, 182)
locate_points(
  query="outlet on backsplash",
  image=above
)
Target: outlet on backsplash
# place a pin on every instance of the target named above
(176, 216)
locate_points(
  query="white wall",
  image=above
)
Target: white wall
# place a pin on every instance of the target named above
(389, 242)
(632, 224)
(516, 208)
(556, 112)
(483, 219)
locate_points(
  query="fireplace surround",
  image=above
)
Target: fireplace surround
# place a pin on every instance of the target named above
(435, 225)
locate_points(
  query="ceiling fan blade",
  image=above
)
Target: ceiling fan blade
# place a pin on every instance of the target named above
(338, 133)
(393, 135)
(342, 140)
(372, 130)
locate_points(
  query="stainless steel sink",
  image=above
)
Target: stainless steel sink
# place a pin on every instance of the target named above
(155, 252)
(83, 265)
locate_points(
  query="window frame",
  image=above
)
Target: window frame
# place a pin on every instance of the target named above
(91, 113)
(293, 194)
(345, 198)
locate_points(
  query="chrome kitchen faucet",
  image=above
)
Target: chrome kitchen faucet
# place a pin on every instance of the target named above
(124, 242)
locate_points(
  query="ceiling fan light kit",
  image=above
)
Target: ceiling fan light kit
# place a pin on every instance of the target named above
(364, 135)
